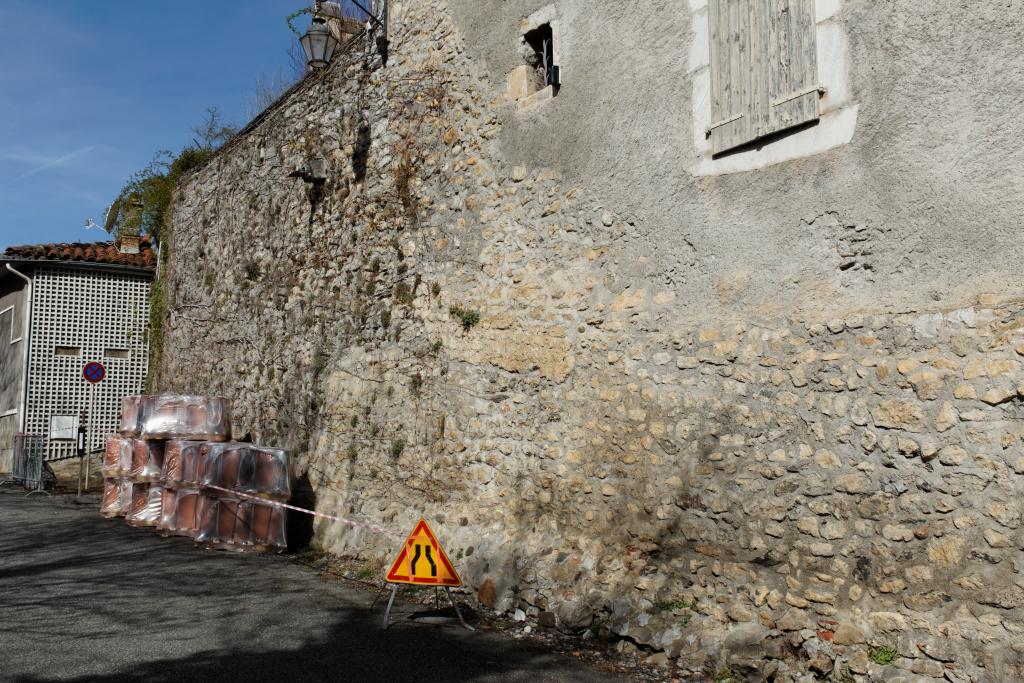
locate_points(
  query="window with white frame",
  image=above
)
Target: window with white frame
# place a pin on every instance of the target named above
(764, 74)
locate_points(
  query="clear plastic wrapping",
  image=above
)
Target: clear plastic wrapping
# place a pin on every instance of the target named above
(168, 511)
(242, 525)
(117, 497)
(117, 458)
(182, 461)
(204, 418)
(127, 488)
(113, 500)
(188, 508)
(147, 502)
(133, 414)
(147, 460)
(242, 467)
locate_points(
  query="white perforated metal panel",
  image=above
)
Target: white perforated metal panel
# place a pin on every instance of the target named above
(93, 311)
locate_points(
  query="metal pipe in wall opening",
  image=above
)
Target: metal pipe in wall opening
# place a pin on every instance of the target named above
(27, 315)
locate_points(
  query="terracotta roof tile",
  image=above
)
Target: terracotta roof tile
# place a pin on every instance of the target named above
(77, 252)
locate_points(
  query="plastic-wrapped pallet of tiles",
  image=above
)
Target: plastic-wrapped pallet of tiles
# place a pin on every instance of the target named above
(182, 463)
(134, 410)
(182, 512)
(198, 418)
(168, 512)
(117, 497)
(146, 505)
(147, 461)
(117, 458)
(232, 524)
(243, 524)
(243, 467)
(180, 476)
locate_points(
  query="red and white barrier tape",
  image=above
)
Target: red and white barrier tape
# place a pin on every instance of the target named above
(353, 523)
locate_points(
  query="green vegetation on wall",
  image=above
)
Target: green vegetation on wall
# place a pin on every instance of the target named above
(142, 206)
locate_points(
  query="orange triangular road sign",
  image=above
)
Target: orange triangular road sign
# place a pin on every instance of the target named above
(422, 561)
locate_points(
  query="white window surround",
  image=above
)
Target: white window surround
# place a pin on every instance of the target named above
(545, 15)
(838, 112)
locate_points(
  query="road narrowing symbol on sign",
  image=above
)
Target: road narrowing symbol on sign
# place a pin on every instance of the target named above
(94, 372)
(422, 561)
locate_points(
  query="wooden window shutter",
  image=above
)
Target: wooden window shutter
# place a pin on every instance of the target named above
(729, 32)
(793, 85)
(763, 69)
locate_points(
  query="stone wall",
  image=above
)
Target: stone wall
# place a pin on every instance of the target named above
(438, 331)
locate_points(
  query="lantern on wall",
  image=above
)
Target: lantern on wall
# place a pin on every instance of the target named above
(318, 43)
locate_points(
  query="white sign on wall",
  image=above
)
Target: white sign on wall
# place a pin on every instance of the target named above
(64, 427)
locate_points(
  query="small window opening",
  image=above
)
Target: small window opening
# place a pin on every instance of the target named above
(67, 351)
(541, 58)
(117, 353)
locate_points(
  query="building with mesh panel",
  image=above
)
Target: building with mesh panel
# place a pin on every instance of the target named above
(63, 306)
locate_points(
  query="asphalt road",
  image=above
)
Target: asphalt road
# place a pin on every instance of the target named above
(83, 598)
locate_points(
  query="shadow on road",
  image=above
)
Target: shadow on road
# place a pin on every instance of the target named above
(88, 599)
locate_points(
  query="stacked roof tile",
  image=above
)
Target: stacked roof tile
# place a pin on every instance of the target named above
(77, 252)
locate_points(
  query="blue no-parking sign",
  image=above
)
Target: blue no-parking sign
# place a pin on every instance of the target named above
(94, 372)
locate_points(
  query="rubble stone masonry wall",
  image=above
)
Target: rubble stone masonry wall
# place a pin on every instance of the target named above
(777, 483)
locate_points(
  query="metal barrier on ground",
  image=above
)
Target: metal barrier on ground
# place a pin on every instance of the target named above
(29, 468)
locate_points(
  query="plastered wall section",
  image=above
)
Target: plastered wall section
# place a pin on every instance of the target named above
(930, 177)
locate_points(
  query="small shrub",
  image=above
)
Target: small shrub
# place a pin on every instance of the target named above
(397, 446)
(672, 605)
(435, 289)
(403, 294)
(883, 655)
(724, 675)
(374, 431)
(437, 346)
(354, 421)
(468, 318)
(364, 574)
(252, 270)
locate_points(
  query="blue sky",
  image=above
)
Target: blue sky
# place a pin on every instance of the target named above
(91, 89)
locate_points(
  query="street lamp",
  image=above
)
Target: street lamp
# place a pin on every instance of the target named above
(318, 43)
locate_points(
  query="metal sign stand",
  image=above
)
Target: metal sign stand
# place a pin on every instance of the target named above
(93, 374)
(391, 602)
(90, 434)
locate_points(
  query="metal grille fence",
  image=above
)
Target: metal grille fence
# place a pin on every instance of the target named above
(81, 315)
(29, 451)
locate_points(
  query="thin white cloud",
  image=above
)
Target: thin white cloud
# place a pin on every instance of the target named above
(42, 163)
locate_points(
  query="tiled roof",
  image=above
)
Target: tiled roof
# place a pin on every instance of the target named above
(77, 252)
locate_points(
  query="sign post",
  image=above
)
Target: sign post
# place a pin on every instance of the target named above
(423, 562)
(93, 373)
